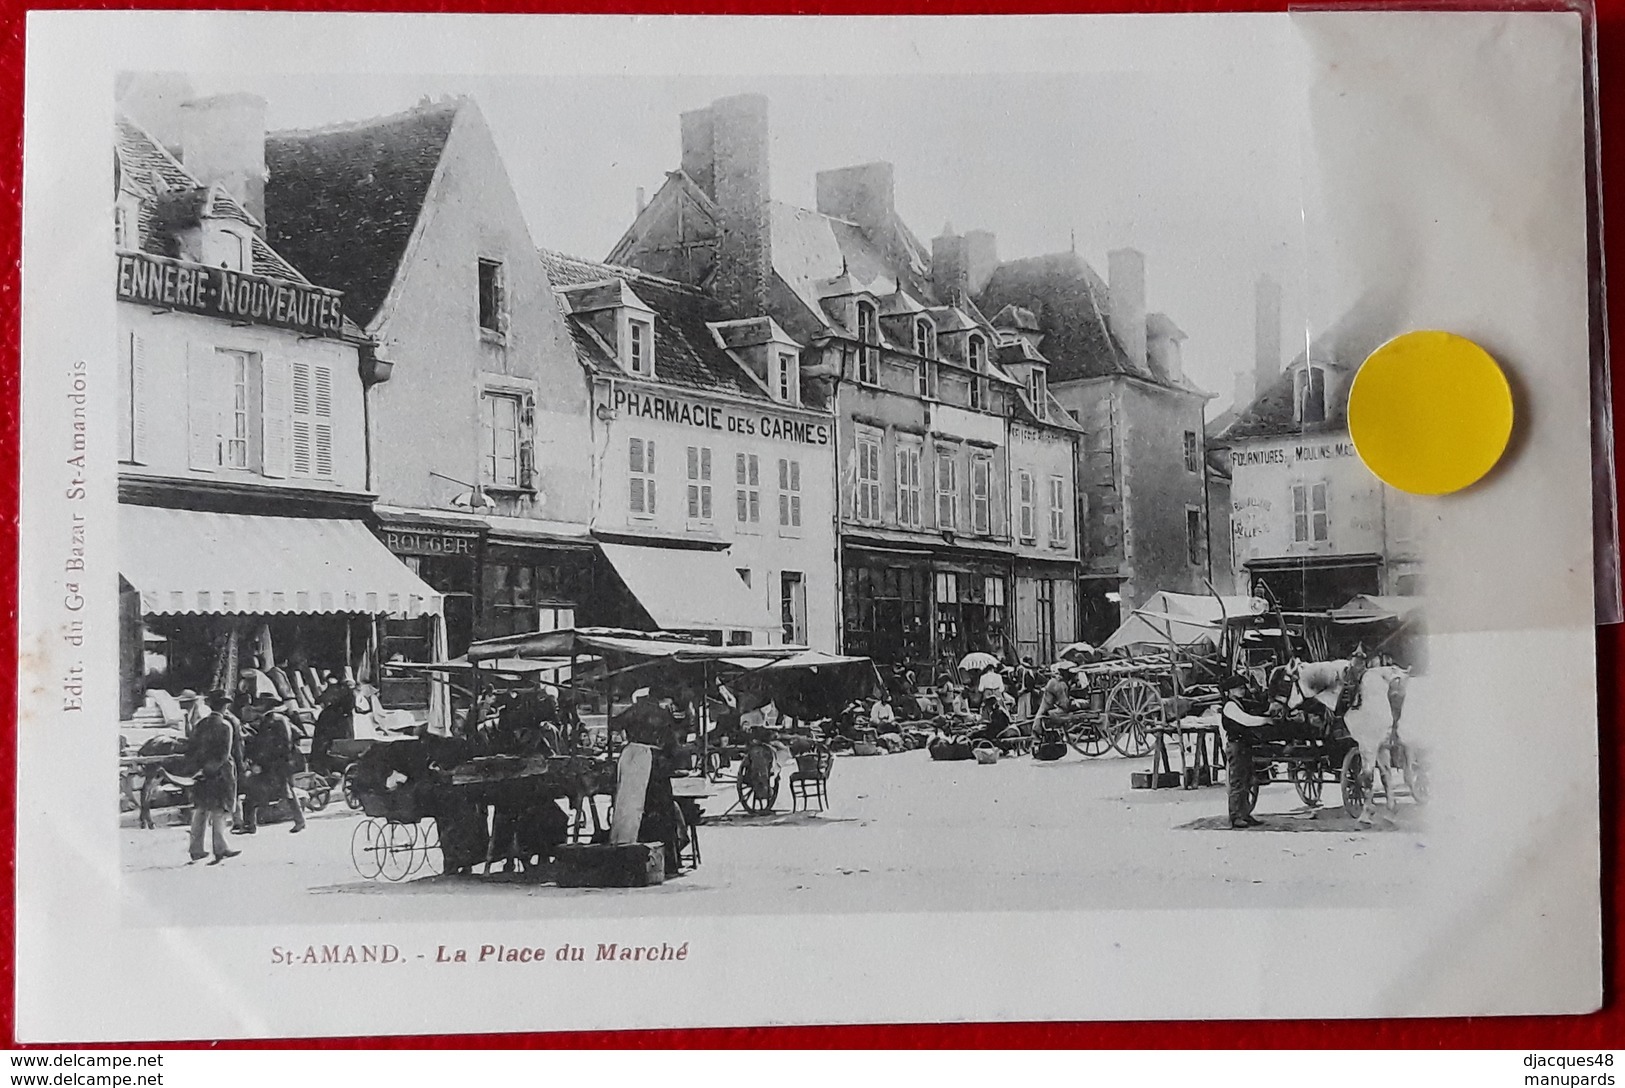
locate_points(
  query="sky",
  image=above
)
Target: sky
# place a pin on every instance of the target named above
(1196, 169)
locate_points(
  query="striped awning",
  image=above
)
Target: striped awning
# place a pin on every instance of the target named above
(199, 562)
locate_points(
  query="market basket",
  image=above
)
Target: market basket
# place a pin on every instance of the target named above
(985, 752)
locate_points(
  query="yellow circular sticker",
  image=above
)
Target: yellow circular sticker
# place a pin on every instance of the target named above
(1430, 412)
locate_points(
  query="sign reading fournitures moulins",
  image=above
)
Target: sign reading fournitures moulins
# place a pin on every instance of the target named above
(235, 296)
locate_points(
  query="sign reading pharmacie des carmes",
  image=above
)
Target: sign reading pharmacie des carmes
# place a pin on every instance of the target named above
(151, 280)
(716, 417)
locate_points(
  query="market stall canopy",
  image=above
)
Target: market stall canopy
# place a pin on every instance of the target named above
(515, 666)
(1370, 608)
(1183, 618)
(681, 588)
(200, 562)
(604, 641)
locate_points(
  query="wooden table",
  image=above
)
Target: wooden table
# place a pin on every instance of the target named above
(1191, 773)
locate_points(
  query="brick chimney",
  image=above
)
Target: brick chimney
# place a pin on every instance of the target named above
(1125, 282)
(223, 140)
(1266, 333)
(725, 152)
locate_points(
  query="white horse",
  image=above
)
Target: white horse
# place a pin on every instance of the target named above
(1372, 720)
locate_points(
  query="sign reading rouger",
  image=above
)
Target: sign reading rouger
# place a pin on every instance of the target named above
(715, 417)
(235, 296)
(428, 541)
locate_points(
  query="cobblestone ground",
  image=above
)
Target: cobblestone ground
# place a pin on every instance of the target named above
(902, 834)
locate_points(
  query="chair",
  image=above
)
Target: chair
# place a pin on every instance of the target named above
(810, 782)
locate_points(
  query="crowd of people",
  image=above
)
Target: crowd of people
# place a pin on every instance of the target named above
(243, 753)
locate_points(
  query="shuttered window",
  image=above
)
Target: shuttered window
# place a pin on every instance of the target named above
(699, 483)
(311, 417)
(1057, 511)
(868, 497)
(748, 489)
(641, 471)
(790, 496)
(132, 419)
(947, 490)
(908, 486)
(981, 494)
(1028, 497)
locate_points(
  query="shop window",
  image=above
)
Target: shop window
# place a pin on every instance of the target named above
(1309, 389)
(868, 491)
(947, 490)
(640, 467)
(908, 486)
(506, 441)
(747, 492)
(981, 494)
(1193, 535)
(739, 638)
(789, 497)
(1310, 523)
(525, 597)
(1025, 505)
(699, 484)
(493, 298)
(1193, 453)
(886, 613)
(793, 607)
(1057, 511)
(868, 335)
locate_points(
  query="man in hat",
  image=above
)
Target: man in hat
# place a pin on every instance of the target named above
(214, 753)
(1245, 711)
(275, 751)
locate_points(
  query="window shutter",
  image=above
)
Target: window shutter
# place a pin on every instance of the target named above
(302, 458)
(205, 389)
(275, 415)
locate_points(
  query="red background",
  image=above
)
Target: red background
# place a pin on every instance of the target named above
(1602, 1029)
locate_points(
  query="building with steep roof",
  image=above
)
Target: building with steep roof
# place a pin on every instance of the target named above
(479, 430)
(955, 477)
(242, 444)
(714, 462)
(1142, 479)
(1308, 520)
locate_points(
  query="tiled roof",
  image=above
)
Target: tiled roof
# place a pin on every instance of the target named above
(1367, 325)
(1070, 302)
(810, 250)
(343, 201)
(171, 198)
(686, 351)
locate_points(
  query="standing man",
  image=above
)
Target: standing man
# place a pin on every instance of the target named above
(1246, 709)
(274, 750)
(214, 752)
(990, 685)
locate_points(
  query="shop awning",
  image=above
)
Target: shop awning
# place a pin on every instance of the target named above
(200, 562)
(682, 589)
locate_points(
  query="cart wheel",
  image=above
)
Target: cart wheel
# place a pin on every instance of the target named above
(1307, 780)
(426, 857)
(367, 848)
(400, 844)
(1416, 778)
(1353, 784)
(1088, 738)
(1132, 707)
(757, 801)
(351, 797)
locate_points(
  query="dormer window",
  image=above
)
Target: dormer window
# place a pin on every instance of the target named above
(640, 347)
(976, 354)
(1038, 392)
(925, 338)
(1309, 395)
(493, 299)
(868, 334)
(787, 378)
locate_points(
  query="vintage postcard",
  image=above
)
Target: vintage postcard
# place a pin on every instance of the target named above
(539, 523)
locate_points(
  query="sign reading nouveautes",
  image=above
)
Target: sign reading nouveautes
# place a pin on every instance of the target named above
(234, 296)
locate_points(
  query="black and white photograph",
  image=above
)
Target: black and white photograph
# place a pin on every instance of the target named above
(630, 503)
